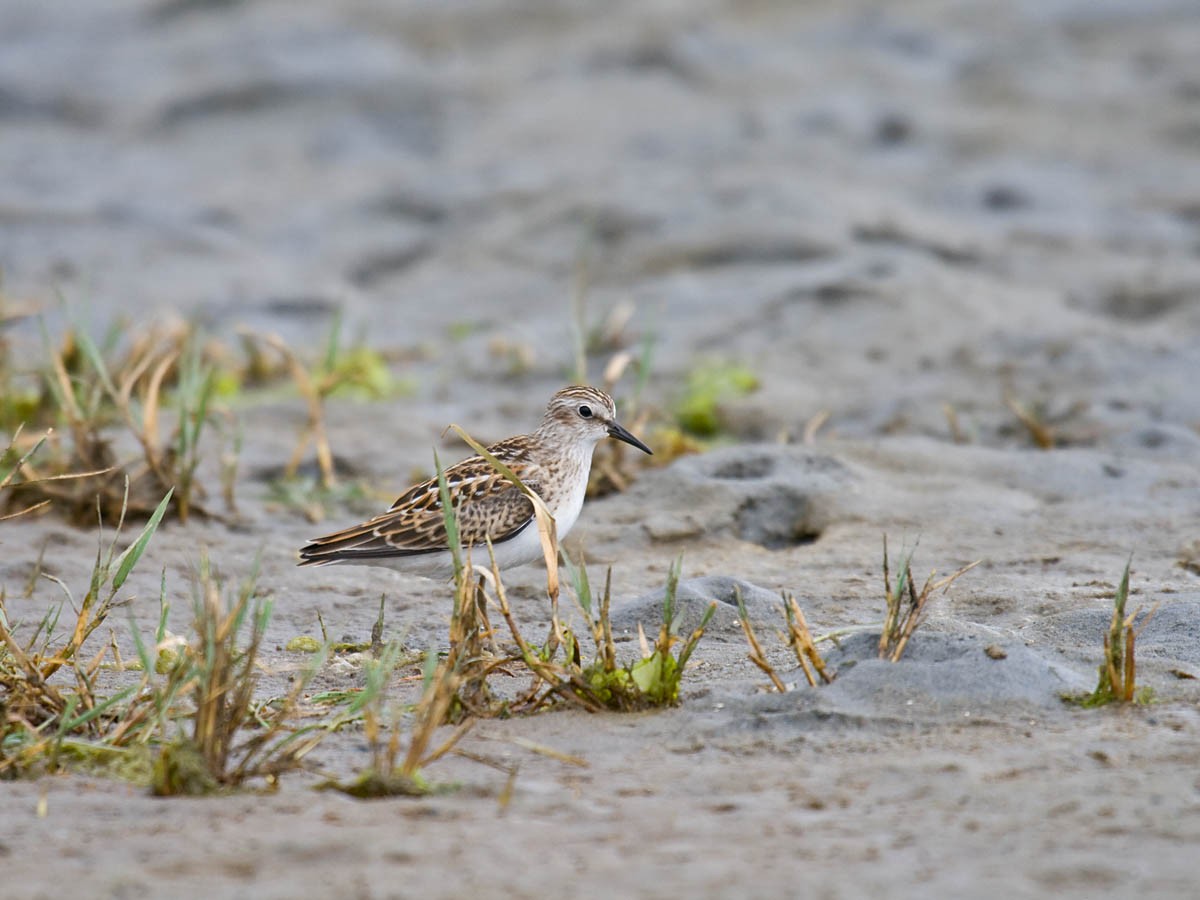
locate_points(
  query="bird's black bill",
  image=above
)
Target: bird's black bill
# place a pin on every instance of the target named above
(615, 430)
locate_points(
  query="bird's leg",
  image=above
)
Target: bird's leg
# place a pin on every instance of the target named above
(555, 638)
(485, 624)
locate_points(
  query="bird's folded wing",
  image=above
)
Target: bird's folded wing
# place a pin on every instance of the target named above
(487, 503)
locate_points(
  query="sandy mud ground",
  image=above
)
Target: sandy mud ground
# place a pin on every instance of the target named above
(882, 211)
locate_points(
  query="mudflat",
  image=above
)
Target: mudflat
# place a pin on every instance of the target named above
(922, 229)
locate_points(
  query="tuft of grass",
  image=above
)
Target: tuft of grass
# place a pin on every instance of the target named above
(1118, 672)
(698, 410)
(655, 678)
(391, 774)
(454, 687)
(38, 716)
(547, 531)
(906, 606)
(1033, 421)
(798, 637)
(218, 671)
(756, 654)
(470, 630)
(190, 725)
(88, 388)
(803, 644)
(14, 460)
(652, 680)
(358, 371)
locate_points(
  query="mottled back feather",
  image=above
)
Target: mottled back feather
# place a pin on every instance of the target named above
(488, 505)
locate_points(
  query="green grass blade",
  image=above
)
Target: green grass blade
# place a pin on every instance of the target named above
(143, 651)
(579, 582)
(685, 652)
(1122, 594)
(94, 356)
(428, 669)
(670, 614)
(163, 608)
(73, 723)
(4, 480)
(450, 516)
(128, 559)
(645, 360)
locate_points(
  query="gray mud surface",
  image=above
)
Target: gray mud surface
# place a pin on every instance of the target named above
(881, 210)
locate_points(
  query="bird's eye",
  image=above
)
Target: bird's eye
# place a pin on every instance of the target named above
(585, 411)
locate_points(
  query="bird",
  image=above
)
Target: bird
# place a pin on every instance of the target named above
(554, 461)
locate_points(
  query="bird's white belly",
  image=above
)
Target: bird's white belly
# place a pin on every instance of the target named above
(566, 511)
(525, 547)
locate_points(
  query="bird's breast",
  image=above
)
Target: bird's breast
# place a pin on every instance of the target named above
(566, 503)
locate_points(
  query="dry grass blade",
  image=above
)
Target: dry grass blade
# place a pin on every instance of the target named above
(956, 432)
(1042, 436)
(814, 425)
(441, 689)
(219, 671)
(560, 682)
(29, 479)
(547, 530)
(314, 429)
(64, 389)
(902, 619)
(801, 641)
(549, 752)
(893, 598)
(87, 390)
(756, 654)
(389, 775)
(26, 511)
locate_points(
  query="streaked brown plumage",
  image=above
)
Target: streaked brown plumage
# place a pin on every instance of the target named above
(554, 461)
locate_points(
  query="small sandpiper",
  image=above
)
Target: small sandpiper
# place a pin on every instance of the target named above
(554, 461)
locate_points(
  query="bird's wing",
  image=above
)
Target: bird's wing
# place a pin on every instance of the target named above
(487, 503)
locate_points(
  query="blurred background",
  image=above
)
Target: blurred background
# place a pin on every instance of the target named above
(873, 218)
